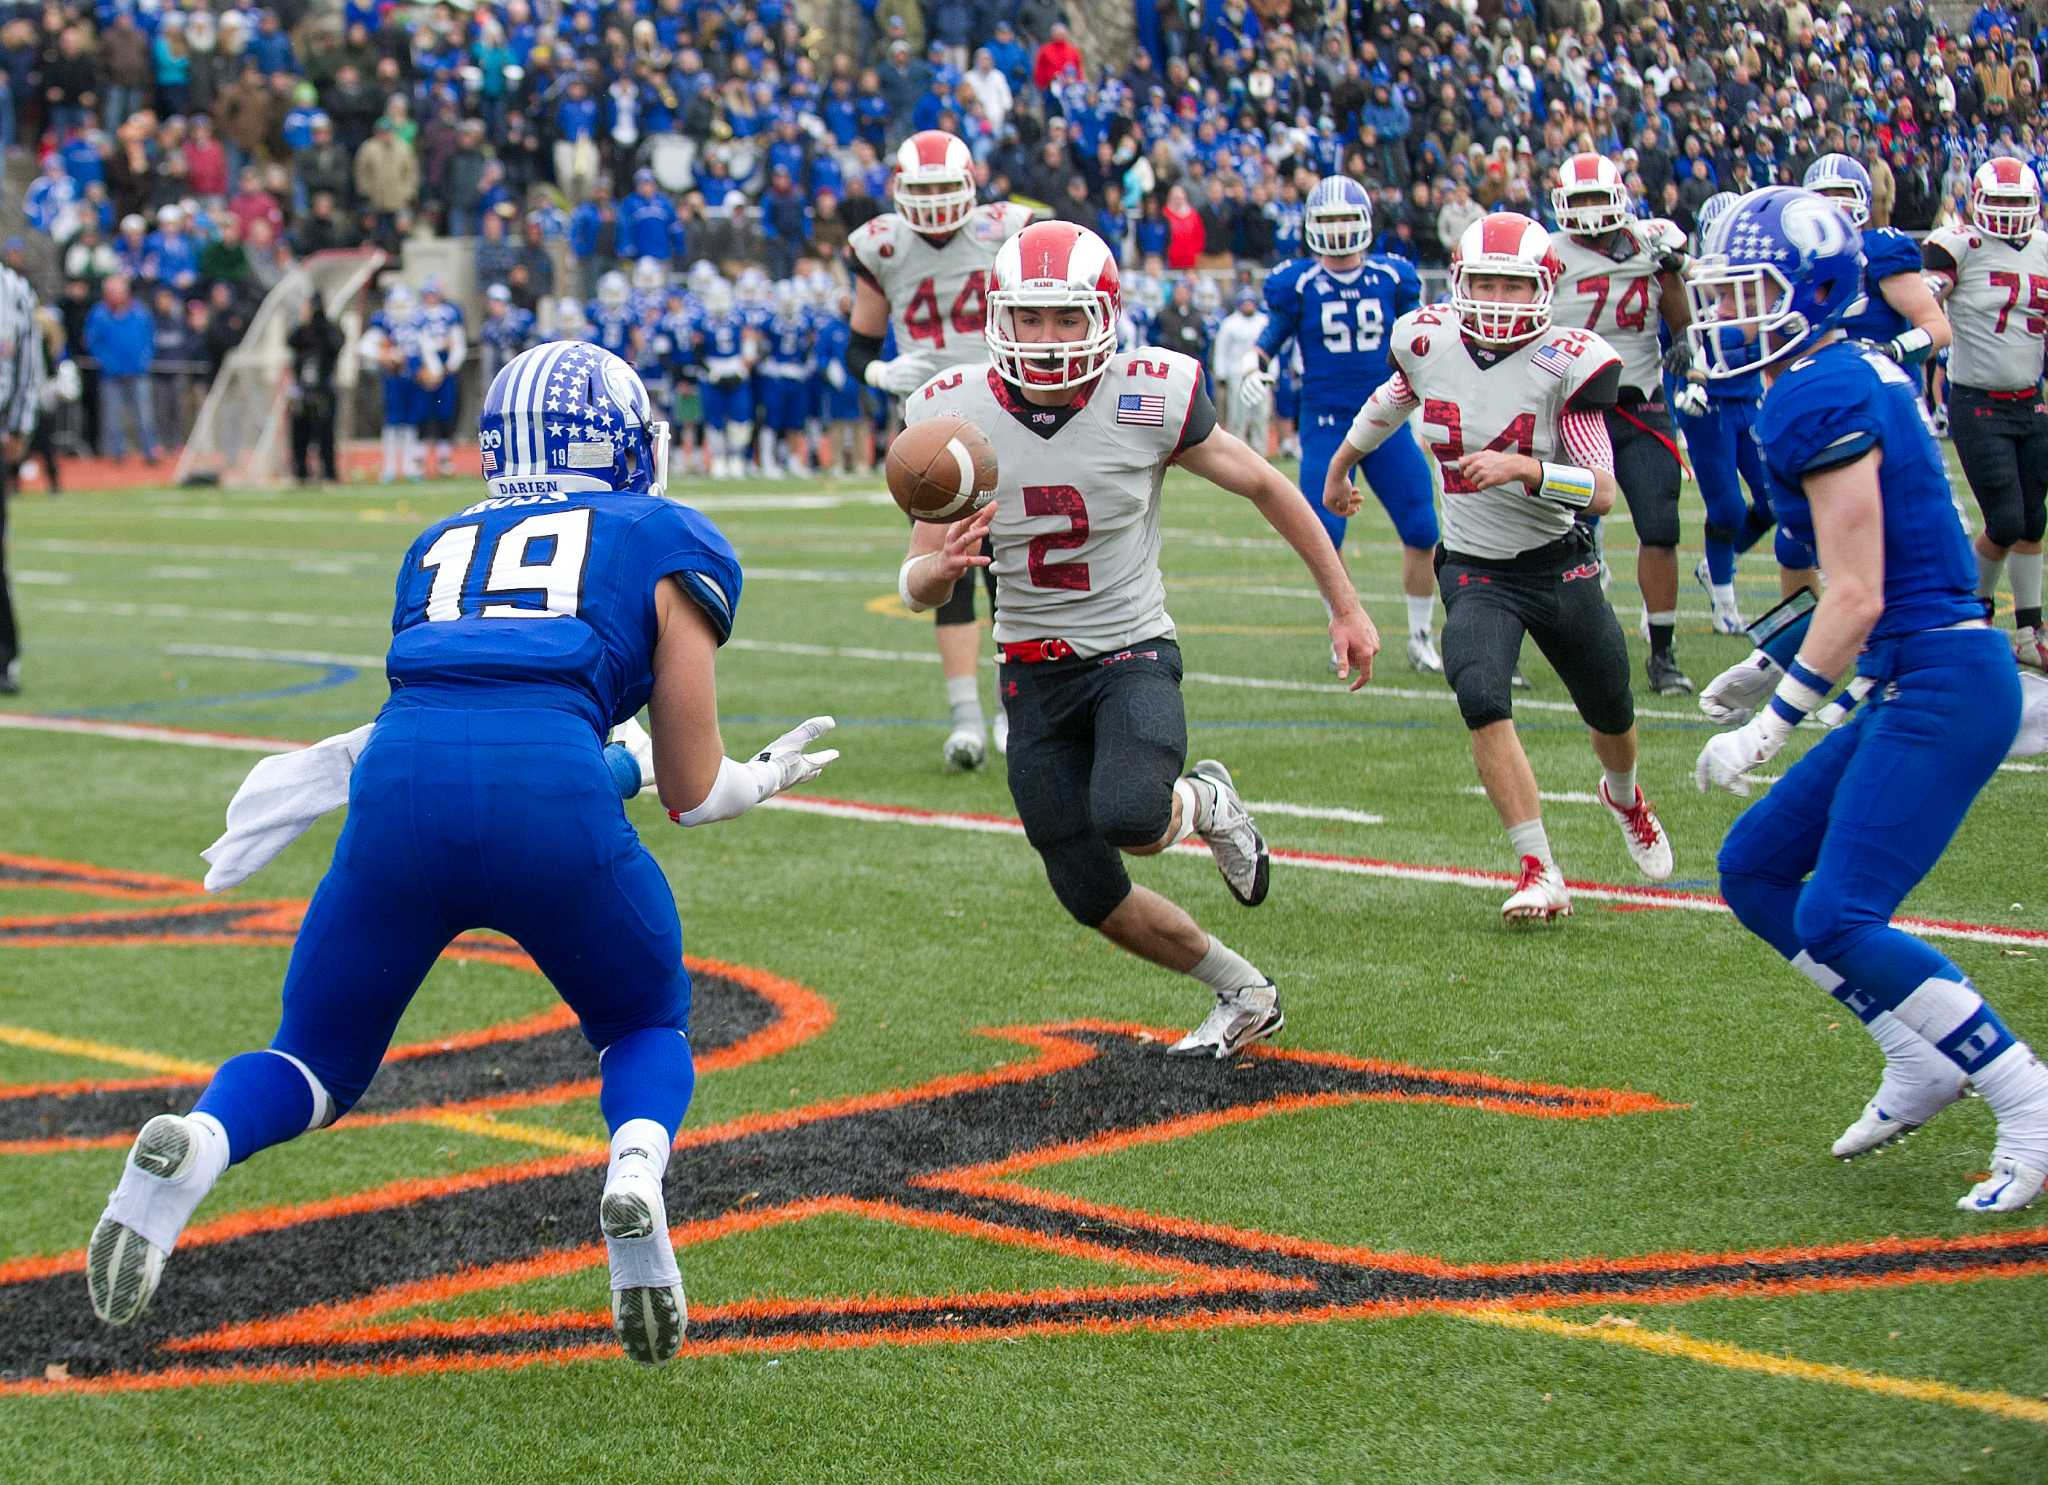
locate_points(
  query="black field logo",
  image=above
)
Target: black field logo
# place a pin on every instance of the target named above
(345, 1286)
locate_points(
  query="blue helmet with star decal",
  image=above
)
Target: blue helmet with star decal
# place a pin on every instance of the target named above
(571, 416)
(1778, 270)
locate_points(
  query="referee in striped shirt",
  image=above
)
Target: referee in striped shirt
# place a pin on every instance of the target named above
(21, 391)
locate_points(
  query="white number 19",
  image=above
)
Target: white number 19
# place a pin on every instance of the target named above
(559, 579)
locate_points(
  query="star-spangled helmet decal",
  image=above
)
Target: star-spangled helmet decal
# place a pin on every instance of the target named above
(573, 415)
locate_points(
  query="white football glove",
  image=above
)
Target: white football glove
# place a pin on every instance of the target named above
(1736, 693)
(1729, 755)
(899, 378)
(783, 764)
(1691, 399)
(630, 735)
(1254, 382)
(1838, 711)
(835, 375)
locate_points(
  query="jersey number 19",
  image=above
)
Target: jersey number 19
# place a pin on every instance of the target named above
(554, 572)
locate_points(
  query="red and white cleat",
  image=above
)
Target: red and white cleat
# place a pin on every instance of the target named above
(1643, 833)
(2030, 648)
(1539, 896)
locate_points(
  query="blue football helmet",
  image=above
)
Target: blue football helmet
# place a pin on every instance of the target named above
(1780, 268)
(1336, 220)
(1842, 180)
(1710, 212)
(571, 416)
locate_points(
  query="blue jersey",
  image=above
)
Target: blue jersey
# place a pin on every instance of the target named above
(1834, 406)
(788, 339)
(402, 331)
(1340, 322)
(722, 342)
(438, 326)
(1887, 253)
(611, 326)
(546, 600)
(509, 333)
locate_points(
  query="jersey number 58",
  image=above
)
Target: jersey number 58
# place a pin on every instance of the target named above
(1339, 336)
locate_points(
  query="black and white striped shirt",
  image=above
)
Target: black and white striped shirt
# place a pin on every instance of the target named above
(21, 355)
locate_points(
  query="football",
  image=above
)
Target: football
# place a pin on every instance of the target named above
(942, 470)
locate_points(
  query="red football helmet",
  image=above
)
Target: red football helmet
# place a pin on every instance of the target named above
(1504, 245)
(1053, 266)
(933, 187)
(2005, 199)
(1590, 197)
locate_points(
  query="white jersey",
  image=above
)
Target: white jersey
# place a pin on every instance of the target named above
(1998, 309)
(1512, 402)
(1076, 530)
(1614, 291)
(937, 288)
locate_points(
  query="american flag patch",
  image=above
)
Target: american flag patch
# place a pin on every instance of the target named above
(1145, 409)
(1555, 358)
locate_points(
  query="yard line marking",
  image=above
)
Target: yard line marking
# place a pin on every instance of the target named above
(897, 814)
(507, 1129)
(1548, 796)
(168, 574)
(30, 1039)
(282, 618)
(1741, 1359)
(249, 652)
(1314, 812)
(29, 577)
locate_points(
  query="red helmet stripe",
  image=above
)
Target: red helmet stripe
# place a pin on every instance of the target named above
(1502, 234)
(1044, 251)
(931, 146)
(1586, 169)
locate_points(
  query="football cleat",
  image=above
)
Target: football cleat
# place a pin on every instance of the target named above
(1240, 1017)
(1233, 839)
(2012, 1185)
(1516, 680)
(10, 678)
(2030, 648)
(1898, 1109)
(122, 1267)
(1727, 618)
(1538, 896)
(1666, 679)
(1422, 653)
(964, 749)
(1643, 833)
(648, 1309)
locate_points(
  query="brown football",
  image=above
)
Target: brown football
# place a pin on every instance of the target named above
(942, 470)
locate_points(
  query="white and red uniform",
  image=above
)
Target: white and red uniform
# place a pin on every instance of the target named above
(1612, 288)
(936, 286)
(1998, 308)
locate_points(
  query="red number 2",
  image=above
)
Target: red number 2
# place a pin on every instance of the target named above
(1519, 437)
(1057, 500)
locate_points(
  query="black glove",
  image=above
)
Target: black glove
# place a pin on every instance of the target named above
(1678, 360)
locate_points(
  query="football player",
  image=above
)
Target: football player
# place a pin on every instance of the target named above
(1337, 306)
(483, 798)
(842, 393)
(1516, 412)
(1619, 278)
(1091, 671)
(391, 348)
(1993, 275)
(444, 346)
(726, 352)
(784, 382)
(507, 330)
(1818, 866)
(610, 315)
(922, 271)
(1716, 419)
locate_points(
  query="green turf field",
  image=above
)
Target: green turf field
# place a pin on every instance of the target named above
(1548, 1205)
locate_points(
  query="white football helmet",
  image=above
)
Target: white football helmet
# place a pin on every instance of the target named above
(1053, 266)
(569, 321)
(1506, 245)
(400, 302)
(933, 186)
(650, 275)
(613, 291)
(702, 272)
(788, 300)
(753, 288)
(1590, 197)
(717, 297)
(2005, 199)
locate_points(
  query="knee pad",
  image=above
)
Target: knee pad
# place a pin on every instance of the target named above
(1087, 877)
(2003, 523)
(1720, 533)
(1829, 926)
(2034, 523)
(1130, 814)
(1791, 552)
(1485, 693)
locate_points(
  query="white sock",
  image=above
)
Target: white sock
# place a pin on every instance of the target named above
(390, 442)
(640, 1143)
(1420, 611)
(1723, 594)
(1621, 786)
(2016, 1086)
(159, 1209)
(2025, 569)
(1530, 839)
(1188, 818)
(1989, 571)
(640, 1148)
(1224, 970)
(963, 696)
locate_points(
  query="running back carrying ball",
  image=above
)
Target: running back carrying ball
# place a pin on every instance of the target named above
(942, 470)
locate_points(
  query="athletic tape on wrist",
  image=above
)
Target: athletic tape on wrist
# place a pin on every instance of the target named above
(903, 584)
(1801, 691)
(1567, 484)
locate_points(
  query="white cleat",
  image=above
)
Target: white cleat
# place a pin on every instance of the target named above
(2030, 648)
(1000, 734)
(648, 1309)
(1539, 896)
(1898, 1109)
(1422, 653)
(964, 749)
(1240, 1017)
(2012, 1185)
(122, 1267)
(1643, 833)
(1233, 839)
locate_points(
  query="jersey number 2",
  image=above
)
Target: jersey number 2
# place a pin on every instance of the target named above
(557, 575)
(1057, 500)
(1519, 437)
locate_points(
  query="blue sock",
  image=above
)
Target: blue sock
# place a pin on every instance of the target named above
(261, 1099)
(647, 1075)
(1720, 556)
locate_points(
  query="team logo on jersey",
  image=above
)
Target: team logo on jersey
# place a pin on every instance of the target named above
(1421, 346)
(961, 1154)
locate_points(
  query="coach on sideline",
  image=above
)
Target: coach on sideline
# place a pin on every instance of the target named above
(21, 391)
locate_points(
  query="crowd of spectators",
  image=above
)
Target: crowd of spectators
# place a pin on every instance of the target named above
(192, 153)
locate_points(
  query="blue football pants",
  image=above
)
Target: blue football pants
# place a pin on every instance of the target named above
(1396, 471)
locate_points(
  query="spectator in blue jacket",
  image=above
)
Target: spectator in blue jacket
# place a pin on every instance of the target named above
(647, 221)
(785, 221)
(1011, 57)
(594, 236)
(120, 335)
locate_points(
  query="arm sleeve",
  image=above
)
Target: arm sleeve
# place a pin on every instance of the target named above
(1283, 308)
(1584, 435)
(29, 368)
(1936, 258)
(1201, 421)
(861, 352)
(1384, 411)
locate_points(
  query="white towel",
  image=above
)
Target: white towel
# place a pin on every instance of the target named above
(279, 800)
